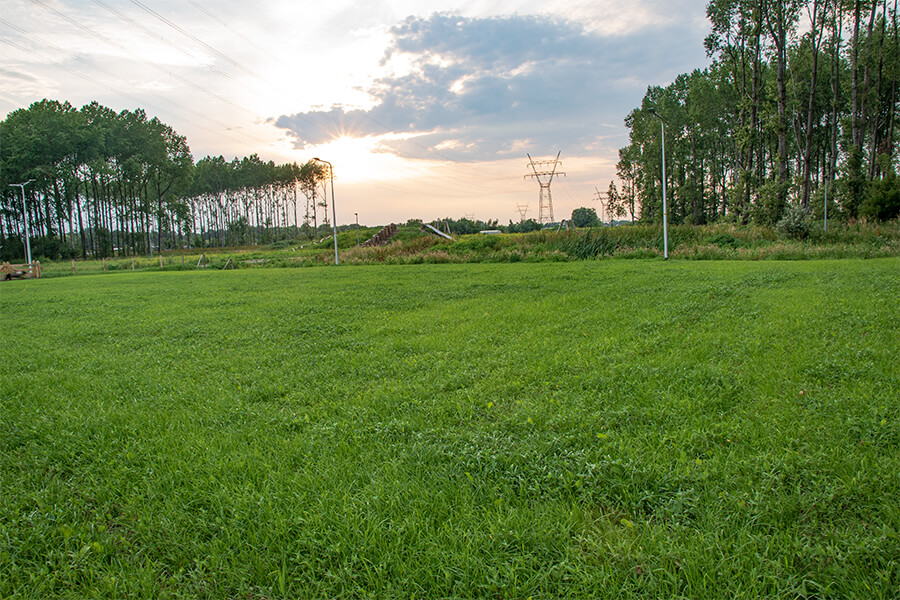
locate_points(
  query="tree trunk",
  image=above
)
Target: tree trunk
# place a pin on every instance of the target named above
(838, 25)
(807, 150)
(854, 72)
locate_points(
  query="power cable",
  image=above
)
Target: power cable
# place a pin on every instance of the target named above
(190, 36)
(250, 42)
(137, 101)
(154, 35)
(115, 44)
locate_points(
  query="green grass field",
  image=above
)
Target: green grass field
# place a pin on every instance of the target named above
(617, 429)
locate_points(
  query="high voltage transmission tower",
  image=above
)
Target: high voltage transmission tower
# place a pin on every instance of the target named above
(523, 210)
(599, 197)
(548, 170)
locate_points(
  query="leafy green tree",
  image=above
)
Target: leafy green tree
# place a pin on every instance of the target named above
(585, 217)
(782, 111)
(524, 226)
(883, 199)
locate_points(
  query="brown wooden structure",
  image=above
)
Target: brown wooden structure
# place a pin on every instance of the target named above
(382, 237)
(23, 271)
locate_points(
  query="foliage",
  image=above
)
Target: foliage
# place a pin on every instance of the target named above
(795, 223)
(410, 246)
(11, 249)
(465, 226)
(883, 200)
(108, 183)
(798, 93)
(524, 226)
(724, 239)
(585, 217)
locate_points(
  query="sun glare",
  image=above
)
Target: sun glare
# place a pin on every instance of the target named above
(358, 160)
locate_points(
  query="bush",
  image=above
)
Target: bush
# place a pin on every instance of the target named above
(724, 240)
(51, 247)
(12, 249)
(526, 226)
(795, 223)
(883, 201)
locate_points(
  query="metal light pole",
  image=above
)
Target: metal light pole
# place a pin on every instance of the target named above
(662, 126)
(21, 186)
(357, 227)
(333, 213)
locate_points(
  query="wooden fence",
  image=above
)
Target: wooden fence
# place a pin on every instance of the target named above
(23, 271)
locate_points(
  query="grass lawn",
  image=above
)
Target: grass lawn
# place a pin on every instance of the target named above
(611, 429)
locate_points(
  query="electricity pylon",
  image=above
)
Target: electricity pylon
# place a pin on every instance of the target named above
(523, 210)
(545, 200)
(599, 198)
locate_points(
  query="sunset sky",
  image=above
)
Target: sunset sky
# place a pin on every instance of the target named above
(426, 108)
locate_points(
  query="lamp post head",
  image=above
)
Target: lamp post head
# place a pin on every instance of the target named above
(653, 112)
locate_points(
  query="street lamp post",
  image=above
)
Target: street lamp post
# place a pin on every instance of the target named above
(662, 126)
(21, 186)
(333, 213)
(357, 228)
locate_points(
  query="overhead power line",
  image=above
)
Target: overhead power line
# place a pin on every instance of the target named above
(188, 35)
(162, 39)
(131, 53)
(221, 22)
(139, 102)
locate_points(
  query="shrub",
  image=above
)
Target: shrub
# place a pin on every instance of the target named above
(795, 223)
(526, 226)
(883, 201)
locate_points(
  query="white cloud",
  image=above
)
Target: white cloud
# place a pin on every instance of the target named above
(473, 84)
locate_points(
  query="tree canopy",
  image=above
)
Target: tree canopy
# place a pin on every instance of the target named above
(106, 183)
(801, 96)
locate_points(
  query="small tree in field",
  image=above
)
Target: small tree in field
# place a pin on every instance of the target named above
(584, 217)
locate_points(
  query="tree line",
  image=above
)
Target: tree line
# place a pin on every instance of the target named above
(798, 105)
(105, 183)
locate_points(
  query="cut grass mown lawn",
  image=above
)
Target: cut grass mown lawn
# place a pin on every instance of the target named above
(621, 429)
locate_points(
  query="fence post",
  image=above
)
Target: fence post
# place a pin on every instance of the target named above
(104, 264)
(132, 264)
(73, 266)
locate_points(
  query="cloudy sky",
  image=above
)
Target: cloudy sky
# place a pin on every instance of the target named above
(426, 108)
